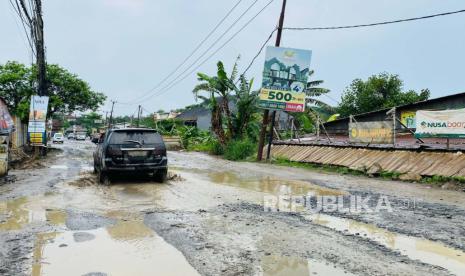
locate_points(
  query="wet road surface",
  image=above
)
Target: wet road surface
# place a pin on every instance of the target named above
(209, 219)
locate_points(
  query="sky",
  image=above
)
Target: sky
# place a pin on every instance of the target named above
(124, 48)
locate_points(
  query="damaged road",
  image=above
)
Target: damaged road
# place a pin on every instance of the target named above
(209, 219)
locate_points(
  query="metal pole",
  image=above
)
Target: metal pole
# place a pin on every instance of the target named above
(111, 114)
(266, 112)
(138, 117)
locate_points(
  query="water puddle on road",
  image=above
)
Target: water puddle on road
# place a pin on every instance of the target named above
(273, 185)
(126, 248)
(291, 266)
(424, 250)
(19, 212)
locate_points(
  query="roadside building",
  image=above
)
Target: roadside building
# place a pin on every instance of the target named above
(405, 114)
(164, 116)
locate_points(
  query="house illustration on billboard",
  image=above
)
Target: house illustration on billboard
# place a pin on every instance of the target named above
(285, 67)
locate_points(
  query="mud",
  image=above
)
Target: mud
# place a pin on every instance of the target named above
(208, 219)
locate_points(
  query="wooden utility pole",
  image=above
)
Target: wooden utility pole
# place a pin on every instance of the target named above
(111, 114)
(32, 13)
(40, 48)
(266, 113)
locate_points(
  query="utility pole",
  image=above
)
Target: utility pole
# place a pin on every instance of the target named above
(266, 113)
(32, 13)
(40, 49)
(138, 115)
(111, 114)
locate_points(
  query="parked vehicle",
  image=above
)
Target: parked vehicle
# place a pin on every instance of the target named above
(80, 136)
(58, 138)
(70, 136)
(130, 151)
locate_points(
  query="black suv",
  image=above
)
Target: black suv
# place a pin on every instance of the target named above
(130, 151)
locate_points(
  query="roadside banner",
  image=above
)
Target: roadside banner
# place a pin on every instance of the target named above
(37, 116)
(6, 121)
(440, 124)
(285, 78)
(379, 132)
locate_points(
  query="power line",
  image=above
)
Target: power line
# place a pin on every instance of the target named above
(176, 81)
(204, 53)
(372, 24)
(259, 51)
(196, 48)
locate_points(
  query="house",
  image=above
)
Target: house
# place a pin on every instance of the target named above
(164, 116)
(200, 117)
(280, 76)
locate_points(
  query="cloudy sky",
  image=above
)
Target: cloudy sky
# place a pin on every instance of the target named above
(124, 48)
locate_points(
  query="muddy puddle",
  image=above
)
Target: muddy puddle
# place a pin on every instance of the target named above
(424, 250)
(126, 248)
(16, 214)
(272, 185)
(290, 266)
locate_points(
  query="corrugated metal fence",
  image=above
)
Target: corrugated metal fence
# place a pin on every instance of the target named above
(422, 163)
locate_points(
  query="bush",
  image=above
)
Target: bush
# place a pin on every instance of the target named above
(216, 148)
(239, 149)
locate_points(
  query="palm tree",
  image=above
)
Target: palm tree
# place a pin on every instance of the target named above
(313, 106)
(220, 85)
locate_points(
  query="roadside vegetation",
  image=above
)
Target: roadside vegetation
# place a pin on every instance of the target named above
(68, 93)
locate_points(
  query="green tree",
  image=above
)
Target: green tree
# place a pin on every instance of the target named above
(379, 91)
(16, 87)
(245, 116)
(220, 86)
(68, 93)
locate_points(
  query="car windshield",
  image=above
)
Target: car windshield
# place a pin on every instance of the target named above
(58, 135)
(135, 137)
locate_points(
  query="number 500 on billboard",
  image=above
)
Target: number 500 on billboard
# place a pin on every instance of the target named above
(282, 100)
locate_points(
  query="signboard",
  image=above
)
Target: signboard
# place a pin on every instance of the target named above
(285, 78)
(371, 132)
(6, 122)
(408, 118)
(282, 100)
(37, 115)
(440, 124)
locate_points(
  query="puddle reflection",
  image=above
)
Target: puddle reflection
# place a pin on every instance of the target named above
(273, 185)
(127, 248)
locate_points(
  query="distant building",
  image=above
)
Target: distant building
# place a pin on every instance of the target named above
(165, 116)
(200, 117)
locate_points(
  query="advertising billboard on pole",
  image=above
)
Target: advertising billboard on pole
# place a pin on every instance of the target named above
(285, 77)
(37, 117)
(440, 124)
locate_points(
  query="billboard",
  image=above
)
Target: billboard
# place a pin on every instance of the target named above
(37, 116)
(440, 124)
(371, 132)
(285, 78)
